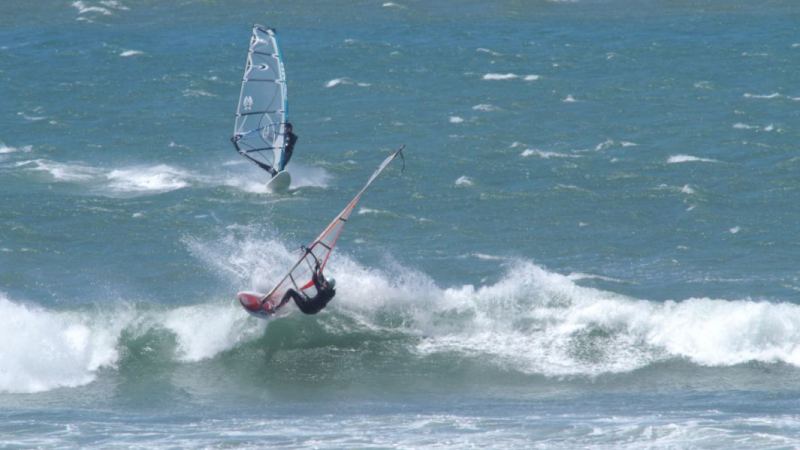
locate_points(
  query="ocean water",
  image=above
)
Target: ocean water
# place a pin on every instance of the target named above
(593, 242)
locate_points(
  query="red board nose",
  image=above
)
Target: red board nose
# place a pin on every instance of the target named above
(249, 301)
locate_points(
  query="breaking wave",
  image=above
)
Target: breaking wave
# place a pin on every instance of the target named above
(530, 322)
(47, 349)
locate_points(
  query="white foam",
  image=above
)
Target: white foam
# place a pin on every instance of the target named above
(43, 350)
(569, 99)
(131, 180)
(531, 77)
(239, 257)
(114, 4)
(31, 118)
(456, 119)
(255, 183)
(128, 53)
(677, 159)
(735, 230)
(577, 276)
(571, 187)
(765, 96)
(392, 5)
(197, 93)
(486, 107)
(344, 82)
(69, 172)
(84, 9)
(6, 149)
(464, 181)
(486, 50)
(173, 144)
(604, 145)
(160, 178)
(744, 126)
(545, 154)
(686, 189)
(500, 76)
(379, 212)
(485, 257)
(382, 212)
(308, 176)
(223, 327)
(531, 320)
(562, 317)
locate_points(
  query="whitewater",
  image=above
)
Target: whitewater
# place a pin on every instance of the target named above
(562, 329)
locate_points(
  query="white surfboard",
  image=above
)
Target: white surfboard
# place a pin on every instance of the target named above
(280, 182)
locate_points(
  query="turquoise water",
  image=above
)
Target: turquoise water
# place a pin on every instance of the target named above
(593, 242)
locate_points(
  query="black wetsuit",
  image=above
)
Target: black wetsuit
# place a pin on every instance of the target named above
(311, 305)
(291, 139)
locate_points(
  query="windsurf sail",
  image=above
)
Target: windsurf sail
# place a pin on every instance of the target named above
(319, 250)
(258, 132)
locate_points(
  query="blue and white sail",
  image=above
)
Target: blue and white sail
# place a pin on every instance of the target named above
(259, 130)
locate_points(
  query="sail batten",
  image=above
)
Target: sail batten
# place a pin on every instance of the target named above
(257, 112)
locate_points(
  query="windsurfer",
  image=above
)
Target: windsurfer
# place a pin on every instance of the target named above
(291, 139)
(312, 305)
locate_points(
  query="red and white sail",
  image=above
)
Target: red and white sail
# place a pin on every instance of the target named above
(319, 250)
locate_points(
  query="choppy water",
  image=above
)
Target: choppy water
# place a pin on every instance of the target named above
(593, 243)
